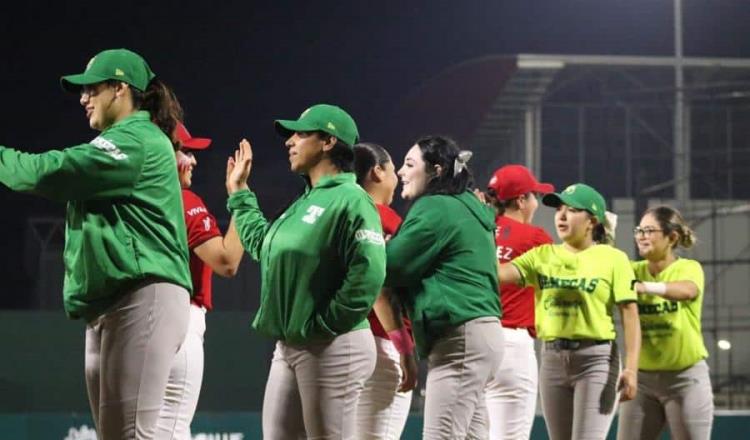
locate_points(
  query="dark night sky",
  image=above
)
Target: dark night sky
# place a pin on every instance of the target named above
(237, 65)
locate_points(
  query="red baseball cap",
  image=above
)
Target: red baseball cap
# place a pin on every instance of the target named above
(512, 181)
(189, 142)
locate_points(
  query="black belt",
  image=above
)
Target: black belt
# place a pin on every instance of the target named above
(572, 344)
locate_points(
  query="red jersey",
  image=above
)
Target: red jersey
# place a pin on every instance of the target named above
(513, 239)
(201, 226)
(390, 221)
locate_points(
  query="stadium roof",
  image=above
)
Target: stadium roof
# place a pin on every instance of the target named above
(483, 102)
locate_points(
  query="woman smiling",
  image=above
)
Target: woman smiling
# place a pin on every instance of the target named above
(126, 254)
(322, 266)
(444, 256)
(675, 386)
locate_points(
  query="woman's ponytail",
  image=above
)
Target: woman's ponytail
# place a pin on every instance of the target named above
(162, 103)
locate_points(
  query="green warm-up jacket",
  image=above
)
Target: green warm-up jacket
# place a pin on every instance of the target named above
(124, 220)
(444, 255)
(322, 261)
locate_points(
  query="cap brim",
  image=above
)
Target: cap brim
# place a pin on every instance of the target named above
(554, 200)
(74, 83)
(196, 143)
(285, 128)
(544, 188)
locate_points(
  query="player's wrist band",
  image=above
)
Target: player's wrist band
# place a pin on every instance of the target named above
(650, 287)
(401, 340)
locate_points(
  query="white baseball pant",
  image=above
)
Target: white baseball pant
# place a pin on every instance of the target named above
(130, 350)
(313, 389)
(682, 400)
(460, 366)
(382, 411)
(511, 396)
(185, 379)
(578, 391)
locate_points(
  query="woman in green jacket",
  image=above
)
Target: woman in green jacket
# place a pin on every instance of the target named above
(444, 255)
(126, 255)
(322, 266)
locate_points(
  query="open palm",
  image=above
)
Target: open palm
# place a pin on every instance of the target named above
(238, 167)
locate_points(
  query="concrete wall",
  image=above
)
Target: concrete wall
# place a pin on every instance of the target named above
(42, 367)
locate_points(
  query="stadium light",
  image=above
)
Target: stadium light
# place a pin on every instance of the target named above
(724, 344)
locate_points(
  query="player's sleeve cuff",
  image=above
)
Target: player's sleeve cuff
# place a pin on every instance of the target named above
(241, 199)
(520, 272)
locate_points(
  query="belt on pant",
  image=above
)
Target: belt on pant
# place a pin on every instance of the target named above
(572, 344)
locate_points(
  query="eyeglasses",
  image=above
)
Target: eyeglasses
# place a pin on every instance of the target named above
(646, 232)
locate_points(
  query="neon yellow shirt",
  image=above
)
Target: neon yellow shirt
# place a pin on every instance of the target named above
(672, 338)
(576, 292)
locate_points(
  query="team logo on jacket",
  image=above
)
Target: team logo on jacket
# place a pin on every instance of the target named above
(109, 148)
(370, 236)
(313, 212)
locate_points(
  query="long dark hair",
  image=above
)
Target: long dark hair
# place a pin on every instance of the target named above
(161, 102)
(366, 157)
(443, 151)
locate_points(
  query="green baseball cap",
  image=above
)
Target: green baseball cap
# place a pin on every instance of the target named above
(579, 196)
(118, 64)
(322, 117)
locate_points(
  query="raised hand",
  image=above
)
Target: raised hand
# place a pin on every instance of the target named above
(238, 167)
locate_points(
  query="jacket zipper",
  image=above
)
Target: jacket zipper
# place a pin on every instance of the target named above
(276, 226)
